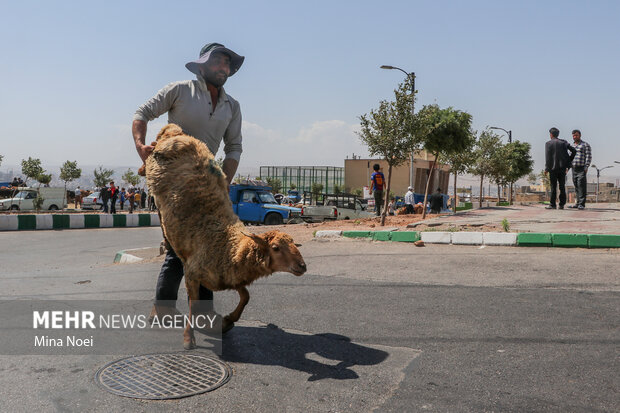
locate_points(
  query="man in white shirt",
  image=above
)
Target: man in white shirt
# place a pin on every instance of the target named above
(409, 200)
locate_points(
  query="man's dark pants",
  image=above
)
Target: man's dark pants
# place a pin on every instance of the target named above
(557, 178)
(170, 276)
(378, 201)
(580, 181)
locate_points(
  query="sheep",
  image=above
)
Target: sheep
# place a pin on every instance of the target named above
(197, 219)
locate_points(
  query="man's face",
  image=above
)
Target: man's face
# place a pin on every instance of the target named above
(576, 137)
(217, 69)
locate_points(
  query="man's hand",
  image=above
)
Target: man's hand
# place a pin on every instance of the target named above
(144, 151)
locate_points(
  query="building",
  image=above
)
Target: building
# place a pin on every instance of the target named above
(357, 174)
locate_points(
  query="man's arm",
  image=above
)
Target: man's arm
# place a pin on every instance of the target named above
(588, 150)
(230, 169)
(138, 129)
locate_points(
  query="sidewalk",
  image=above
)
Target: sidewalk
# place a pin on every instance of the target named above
(603, 218)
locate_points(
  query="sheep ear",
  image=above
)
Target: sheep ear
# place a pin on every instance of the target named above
(254, 237)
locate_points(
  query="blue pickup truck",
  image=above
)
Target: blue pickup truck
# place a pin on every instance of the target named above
(256, 204)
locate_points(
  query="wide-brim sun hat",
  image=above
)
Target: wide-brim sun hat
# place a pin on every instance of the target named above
(205, 53)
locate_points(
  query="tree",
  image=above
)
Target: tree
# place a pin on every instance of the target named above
(1, 158)
(32, 168)
(498, 168)
(44, 178)
(532, 178)
(316, 189)
(484, 151)
(68, 173)
(102, 176)
(388, 132)
(546, 182)
(338, 189)
(461, 162)
(275, 184)
(519, 161)
(443, 132)
(131, 178)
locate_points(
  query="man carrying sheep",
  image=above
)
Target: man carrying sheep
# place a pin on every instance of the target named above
(205, 111)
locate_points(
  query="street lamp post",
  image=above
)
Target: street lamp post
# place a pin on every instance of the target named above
(509, 132)
(598, 174)
(412, 76)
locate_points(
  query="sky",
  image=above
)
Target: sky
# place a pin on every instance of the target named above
(73, 73)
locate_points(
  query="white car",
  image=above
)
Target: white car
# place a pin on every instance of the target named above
(53, 199)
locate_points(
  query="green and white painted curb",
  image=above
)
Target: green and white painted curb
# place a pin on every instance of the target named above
(17, 222)
(524, 239)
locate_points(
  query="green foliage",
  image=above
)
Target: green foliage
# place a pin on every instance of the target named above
(316, 188)
(444, 131)
(532, 178)
(485, 150)
(505, 225)
(32, 168)
(44, 179)
(388, 131)
(102, 176)
(293, 186)
(1, 158)
(358, 191)
(131, 178)
(275, 184)
(38, 202)
(338, 189)
(519, 160)
(69, 171)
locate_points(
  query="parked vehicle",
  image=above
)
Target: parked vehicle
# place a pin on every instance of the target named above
(93, 201)
(255, 204)
(333, 207)
(53, 199)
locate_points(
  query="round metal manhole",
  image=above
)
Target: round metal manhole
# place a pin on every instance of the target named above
(163, 376)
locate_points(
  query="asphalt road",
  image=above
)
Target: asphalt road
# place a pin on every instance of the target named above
(371, 326)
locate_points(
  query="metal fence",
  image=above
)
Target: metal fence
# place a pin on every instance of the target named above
(304, 176)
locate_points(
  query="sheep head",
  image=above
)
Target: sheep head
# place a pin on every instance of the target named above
(283, 254)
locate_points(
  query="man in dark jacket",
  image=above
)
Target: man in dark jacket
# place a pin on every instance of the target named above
(105, 197)
(436, 201)
(557, 163)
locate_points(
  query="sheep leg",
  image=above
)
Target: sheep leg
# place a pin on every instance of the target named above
(189, 341)
(244, 296)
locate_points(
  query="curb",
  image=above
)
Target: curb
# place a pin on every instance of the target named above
(523, 239)
(75, 221)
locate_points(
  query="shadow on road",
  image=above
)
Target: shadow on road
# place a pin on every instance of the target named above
(323, 356)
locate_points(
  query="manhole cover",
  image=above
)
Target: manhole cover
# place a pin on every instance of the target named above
(163, 376)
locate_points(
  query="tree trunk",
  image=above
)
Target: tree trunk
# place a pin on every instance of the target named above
(64, 195)
(456, 197)
(481, 189)
(428, 182)
(510, 200)
(499, 198)
(387, 195)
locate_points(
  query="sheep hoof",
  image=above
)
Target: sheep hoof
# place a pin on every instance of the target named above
(189, 345)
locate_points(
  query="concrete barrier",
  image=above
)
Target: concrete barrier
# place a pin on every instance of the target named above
(436, 237)
(467, 238)
(8, 223)
(499, 238)
(328, 234)
(14, 222)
